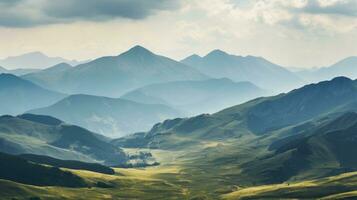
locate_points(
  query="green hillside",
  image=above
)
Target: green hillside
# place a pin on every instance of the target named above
(39, 135)
(20, 170)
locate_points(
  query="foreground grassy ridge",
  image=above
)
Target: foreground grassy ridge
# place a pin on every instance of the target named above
(153, 183)
(166, 183)
(335, 187)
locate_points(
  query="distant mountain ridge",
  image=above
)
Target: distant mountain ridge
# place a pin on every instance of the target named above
(114, 75)
(257, 70)
(17, 72)
(35, 60)
(345, 67)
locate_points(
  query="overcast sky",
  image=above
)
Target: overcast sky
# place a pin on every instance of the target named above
(299, 33)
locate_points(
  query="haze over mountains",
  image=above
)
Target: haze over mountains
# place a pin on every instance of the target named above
(108, 116)
(219, 64)
(18, 95)
(345, 67)
(196, 97)
(259, 116)
(36, 60)
(17, 72)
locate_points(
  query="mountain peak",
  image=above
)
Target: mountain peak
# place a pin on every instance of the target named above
(138, 50)
(191, 58)
(216, 52)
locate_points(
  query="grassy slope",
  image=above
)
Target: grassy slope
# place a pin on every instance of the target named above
(167, 182)
(335, 187)
(153, 183)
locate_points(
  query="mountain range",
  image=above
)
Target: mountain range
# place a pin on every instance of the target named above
(112, 76)
(257, 70)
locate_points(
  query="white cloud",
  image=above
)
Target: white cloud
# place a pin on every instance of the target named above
(288, 32)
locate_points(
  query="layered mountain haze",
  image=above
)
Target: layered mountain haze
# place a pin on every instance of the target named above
(35, 60)
(257, 117)
(18, 95)
(17, 72)
(257, 70)
(114, 75)
(195, 97)
(108, 116)
(346, 67)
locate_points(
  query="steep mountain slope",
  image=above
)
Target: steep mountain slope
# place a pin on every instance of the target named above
(18, 95)
(327, 149)
(346, 67)
(20, 170)
(48, 136)
(256, 117)
(114, 75)
(33, 60)
(195, 97)
(110, 117)
(257, 70)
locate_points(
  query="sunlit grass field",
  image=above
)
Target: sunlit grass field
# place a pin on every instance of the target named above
(181, 176)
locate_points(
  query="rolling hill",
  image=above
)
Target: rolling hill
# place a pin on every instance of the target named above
(257, 70)
(108, 116)
(18, 95)
(114, 75)
(17, 169)
(195, 97)
(43, 135)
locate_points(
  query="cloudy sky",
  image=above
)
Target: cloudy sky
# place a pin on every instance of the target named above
(299, 33)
